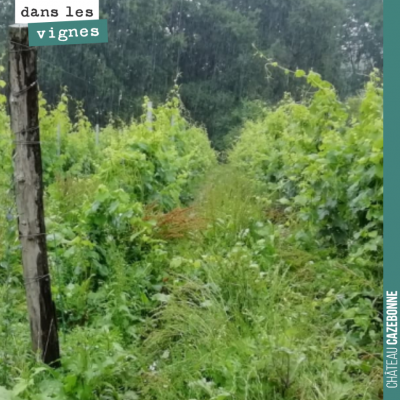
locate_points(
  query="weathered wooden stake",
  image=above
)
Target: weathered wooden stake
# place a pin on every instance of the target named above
(97, 134)
(150, 115)
(29, 194)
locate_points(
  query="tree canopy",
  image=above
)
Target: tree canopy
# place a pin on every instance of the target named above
(211, 44)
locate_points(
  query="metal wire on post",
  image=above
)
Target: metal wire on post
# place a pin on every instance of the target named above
(24, 112)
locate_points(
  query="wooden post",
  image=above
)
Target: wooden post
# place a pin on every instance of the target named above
(29, 194)
(150, 114)
(97, 134)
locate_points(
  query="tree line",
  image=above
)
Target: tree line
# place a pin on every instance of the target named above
(210, 48)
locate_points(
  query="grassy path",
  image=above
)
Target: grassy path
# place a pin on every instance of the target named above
(247, 315)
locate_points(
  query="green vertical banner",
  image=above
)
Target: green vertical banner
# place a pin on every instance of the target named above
(391, 388)
(68, 32)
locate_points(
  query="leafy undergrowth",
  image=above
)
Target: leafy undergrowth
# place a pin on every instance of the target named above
(176, 279)
(235, 311)
(247, 316)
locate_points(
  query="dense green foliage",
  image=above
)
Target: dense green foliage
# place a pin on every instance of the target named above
(210, 42)
(267, 287)
(323, 160)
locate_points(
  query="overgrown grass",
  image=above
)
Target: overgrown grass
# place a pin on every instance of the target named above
(233, 311)
(249, 317)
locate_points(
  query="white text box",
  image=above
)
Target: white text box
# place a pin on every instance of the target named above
(31, 11)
